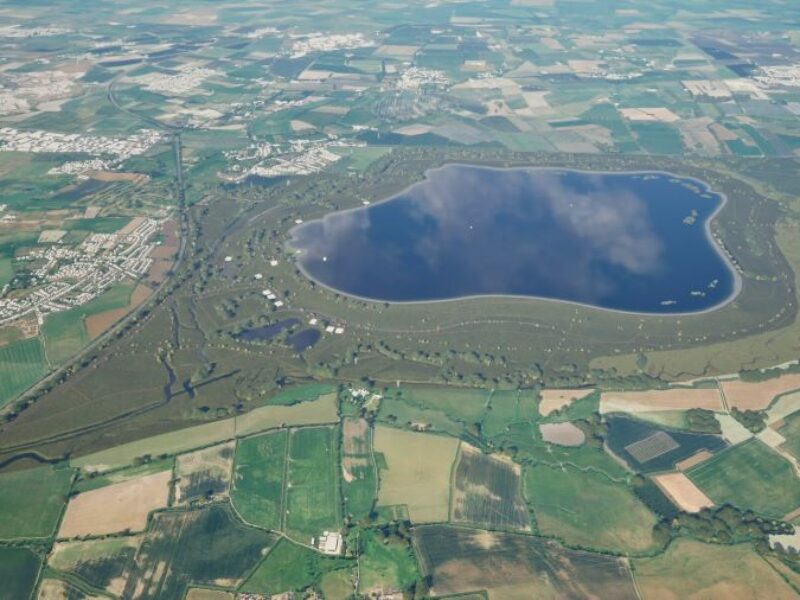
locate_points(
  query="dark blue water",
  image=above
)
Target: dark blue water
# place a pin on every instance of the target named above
(303, 340)
(633, 242)
(267, 332)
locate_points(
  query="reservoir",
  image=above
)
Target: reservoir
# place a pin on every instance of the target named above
(634, 242)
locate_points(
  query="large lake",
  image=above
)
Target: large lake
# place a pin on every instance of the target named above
(623, 241)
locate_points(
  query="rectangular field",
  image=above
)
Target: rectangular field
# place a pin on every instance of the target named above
(115, 508)
(749, 475)
(312, 496)
(31, 501)
(359, 471)
(487, 491)
(661, 400)
(258, 481)
(652, 446)
(416, 472)
(460, 561)
(685, 494)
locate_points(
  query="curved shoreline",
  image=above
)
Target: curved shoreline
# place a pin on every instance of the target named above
(737, 283)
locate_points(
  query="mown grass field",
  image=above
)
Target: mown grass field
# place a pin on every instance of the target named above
(31, 501)
(22, 363)
(690, 569)
(749, 475)
(258, 480)
(415, 471)
(586, 509)
(312, 495)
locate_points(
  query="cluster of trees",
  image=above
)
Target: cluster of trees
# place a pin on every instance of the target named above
(754, 420)
(757, 375)
(728, 524)
(701, 420)
(595, 430)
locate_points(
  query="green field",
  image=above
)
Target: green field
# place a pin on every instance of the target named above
(466, 405)
(691, 569)
(586, 509)
(385, 563)
(31, 501)
(98, 224)
(752, 476)
(337, 585)
(313, 500)
(290, 567)
(396, 410)
(118, 296)
(302, 393)
(360, 477)
(64, 333)
(508, 407)
(257, 491)
(6, 271)
(19, 569)
(791, 431)
(21, 365)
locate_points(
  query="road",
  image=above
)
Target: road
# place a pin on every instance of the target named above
(180, 194)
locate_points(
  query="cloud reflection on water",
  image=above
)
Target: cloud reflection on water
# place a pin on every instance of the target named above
(471, 231)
